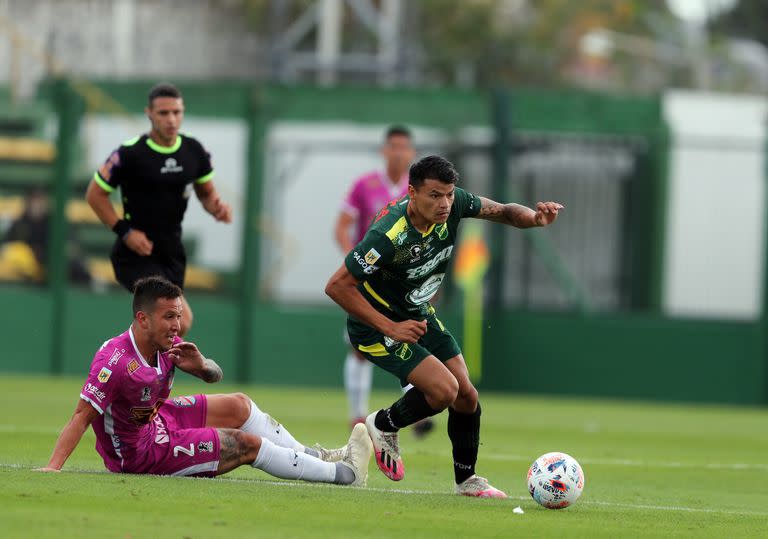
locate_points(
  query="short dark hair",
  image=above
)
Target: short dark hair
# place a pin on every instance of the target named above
(397, 131)
(148, 290)
(432, 167)
(163, 89)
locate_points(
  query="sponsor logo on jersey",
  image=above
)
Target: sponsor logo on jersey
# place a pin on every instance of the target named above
(146, 394)
(372, 256)
(184, 402)
(141, 415)
(115, 357)
(104, 375)
(415, 251)
(132, 366)
(421, 271)
(95, 391)
(426, 291)
(368, 269)
(205, 447)
(171, 165)
(161, 433)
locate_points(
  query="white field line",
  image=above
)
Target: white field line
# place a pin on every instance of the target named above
(409, 492)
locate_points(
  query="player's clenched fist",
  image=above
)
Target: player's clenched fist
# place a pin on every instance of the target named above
(408, 331)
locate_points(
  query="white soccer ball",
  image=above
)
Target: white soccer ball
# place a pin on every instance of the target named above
(555, 480)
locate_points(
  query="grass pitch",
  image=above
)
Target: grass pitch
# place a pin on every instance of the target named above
(651, 471)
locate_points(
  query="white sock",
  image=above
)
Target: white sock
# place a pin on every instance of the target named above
(265, 426)
(287, 463)
(357, 381)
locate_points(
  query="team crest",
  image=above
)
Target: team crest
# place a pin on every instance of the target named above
(372, 256)
(404, 352)
(416, 251)
(133, 366)
(205, 447)
(442, 231)
(104, 375)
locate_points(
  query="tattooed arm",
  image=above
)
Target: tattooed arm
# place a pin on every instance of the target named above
(517, 215)
(188, 358)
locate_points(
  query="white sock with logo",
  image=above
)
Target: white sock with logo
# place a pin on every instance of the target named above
(287, 463)
(265, 426)
(357, 382)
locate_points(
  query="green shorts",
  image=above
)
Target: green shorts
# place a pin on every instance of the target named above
(401, 358)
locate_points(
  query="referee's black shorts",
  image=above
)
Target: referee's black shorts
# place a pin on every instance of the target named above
(169, 261)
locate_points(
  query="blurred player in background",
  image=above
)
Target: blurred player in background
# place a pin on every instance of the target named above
(154, 172)
(386, 284)
(138, 430)
(368, 194)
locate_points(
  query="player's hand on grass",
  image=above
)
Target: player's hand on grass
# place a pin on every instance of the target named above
(186, 356)
(408, 331)
(138, 242)
(546, 212)
(46, 469)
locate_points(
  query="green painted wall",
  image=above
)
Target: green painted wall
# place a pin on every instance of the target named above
(644, 357)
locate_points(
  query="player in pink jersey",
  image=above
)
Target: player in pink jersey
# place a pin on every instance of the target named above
(138, 430)
(368, 194)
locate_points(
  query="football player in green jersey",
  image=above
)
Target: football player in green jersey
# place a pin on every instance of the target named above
(386, 284)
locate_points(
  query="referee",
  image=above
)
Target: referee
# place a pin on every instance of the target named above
(153, 172)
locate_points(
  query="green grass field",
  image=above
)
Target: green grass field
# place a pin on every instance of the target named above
(651, 471)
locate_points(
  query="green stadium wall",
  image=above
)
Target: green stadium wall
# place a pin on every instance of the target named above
(632, 356)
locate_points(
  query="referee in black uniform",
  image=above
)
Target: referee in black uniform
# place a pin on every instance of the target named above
(153, 172)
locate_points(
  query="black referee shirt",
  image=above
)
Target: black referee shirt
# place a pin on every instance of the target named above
(155, 182)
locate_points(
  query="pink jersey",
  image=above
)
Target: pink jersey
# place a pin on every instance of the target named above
(128, 393)
(368, 194)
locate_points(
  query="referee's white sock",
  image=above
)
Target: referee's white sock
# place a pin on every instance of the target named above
(287, 463)
(357, 382)
(265, 426)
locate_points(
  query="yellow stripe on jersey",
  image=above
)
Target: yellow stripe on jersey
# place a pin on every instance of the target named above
(429, 231)
(377, 297)
(375, 350)
(401, 225)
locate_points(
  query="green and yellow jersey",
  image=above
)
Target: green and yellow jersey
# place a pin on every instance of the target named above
(401, 268)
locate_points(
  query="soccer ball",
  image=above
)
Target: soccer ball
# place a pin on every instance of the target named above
(555, 480)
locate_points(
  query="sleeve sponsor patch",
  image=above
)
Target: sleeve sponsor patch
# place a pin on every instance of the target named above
(372, 256)
(104, 375)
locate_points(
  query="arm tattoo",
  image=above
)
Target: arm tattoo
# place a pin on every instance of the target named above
(509, 214)
(211, 373)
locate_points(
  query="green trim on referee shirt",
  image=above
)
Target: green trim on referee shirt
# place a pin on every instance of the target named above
(131, 141)
(164, 149)
(208, 177)
(101, 183)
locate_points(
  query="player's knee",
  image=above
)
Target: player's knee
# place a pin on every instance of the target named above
(241, 405)
(444, 393)
(466, 401)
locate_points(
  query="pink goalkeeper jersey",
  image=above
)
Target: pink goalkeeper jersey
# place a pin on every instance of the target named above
(368, 194)
(127, 392)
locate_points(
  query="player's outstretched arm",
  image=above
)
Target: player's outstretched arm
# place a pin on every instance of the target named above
(212, 203)
(518, 215)
(188, 358)
(342, 288)
(84, 415)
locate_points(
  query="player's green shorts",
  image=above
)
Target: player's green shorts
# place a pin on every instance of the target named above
(401, 358)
